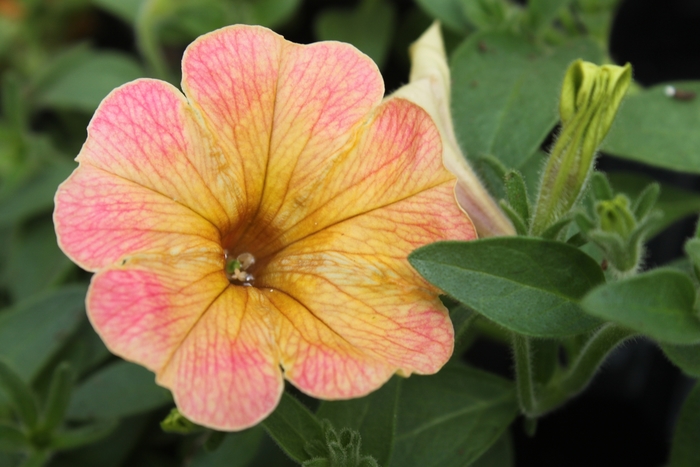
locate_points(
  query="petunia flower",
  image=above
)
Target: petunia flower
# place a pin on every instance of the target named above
(429, 87)
(256, 227)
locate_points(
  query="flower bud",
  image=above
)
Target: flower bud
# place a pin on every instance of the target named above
(590, 98)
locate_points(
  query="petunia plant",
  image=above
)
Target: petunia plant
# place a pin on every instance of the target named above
(357, 235)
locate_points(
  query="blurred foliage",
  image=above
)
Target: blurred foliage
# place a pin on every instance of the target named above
(65, 401)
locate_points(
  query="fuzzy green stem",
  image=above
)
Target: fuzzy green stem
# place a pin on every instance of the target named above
(524, 375)
(582, 369)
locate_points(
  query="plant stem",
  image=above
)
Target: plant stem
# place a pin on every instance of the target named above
(524, 374)
(582, 369)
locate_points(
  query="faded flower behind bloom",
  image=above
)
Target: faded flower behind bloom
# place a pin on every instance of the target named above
(257, 227)
(429, 87)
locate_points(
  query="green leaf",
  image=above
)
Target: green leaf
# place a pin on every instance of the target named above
(34, 330)
(450, 419)
(540, 13)
(13, 440)
(658, 130)
(127, 10)
(111, 451)
(499, 455)
(84, 86)
(87, 434)
(530, 286)
(505, 92)
(237, 450)
(20, 395)
(373, 416)
(293, 426)
(272, 13)
(674, 203)
(686, 357)
(35, 260)
(58, 398)
(449, 12)
(657, 303)
(35, 195)
(686, 439)
(118, 390)
(369, 27)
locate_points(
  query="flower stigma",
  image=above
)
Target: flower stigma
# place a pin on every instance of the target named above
(237, 269)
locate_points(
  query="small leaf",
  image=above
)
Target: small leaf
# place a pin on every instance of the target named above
(646, 200)
(34, 330)
(293, 426)
(20, 395)
(505, 92)
(452, 418)
(658, 130)
(516, 194)
(118, 390)
(373, 416)
(684, 450)
(369, 27)
(527, 285)
(657, 303)
(673, 202)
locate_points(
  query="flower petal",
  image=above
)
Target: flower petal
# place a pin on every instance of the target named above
(100, 217)
(230, 76)
(354, 277)
(395, 156)
(225, 374)
(146, 132)
(282, 111)
(316, 359)
(144, 307)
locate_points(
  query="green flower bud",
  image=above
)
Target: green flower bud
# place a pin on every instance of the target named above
(590, 98)
(615, 216)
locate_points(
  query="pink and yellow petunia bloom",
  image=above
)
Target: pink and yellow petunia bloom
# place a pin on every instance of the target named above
(280, 152)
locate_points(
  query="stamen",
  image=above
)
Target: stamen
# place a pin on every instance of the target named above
(236, 269)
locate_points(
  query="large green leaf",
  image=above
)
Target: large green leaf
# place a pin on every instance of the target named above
(35, 261)
(658, 303)
(111, 451)
(293, 426)
(373, 416)
(528, 285)
(35, 194)
(449, 12)
(499, 455)
(674, 202)
(658, 130)
(118, 390)
(505, 92)
(32, 331)
(686, 357)
(540, 13)
(452, 418)
(237, 450)
(369, 27)
(127, 10)
(84, 86)
(685, 450)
